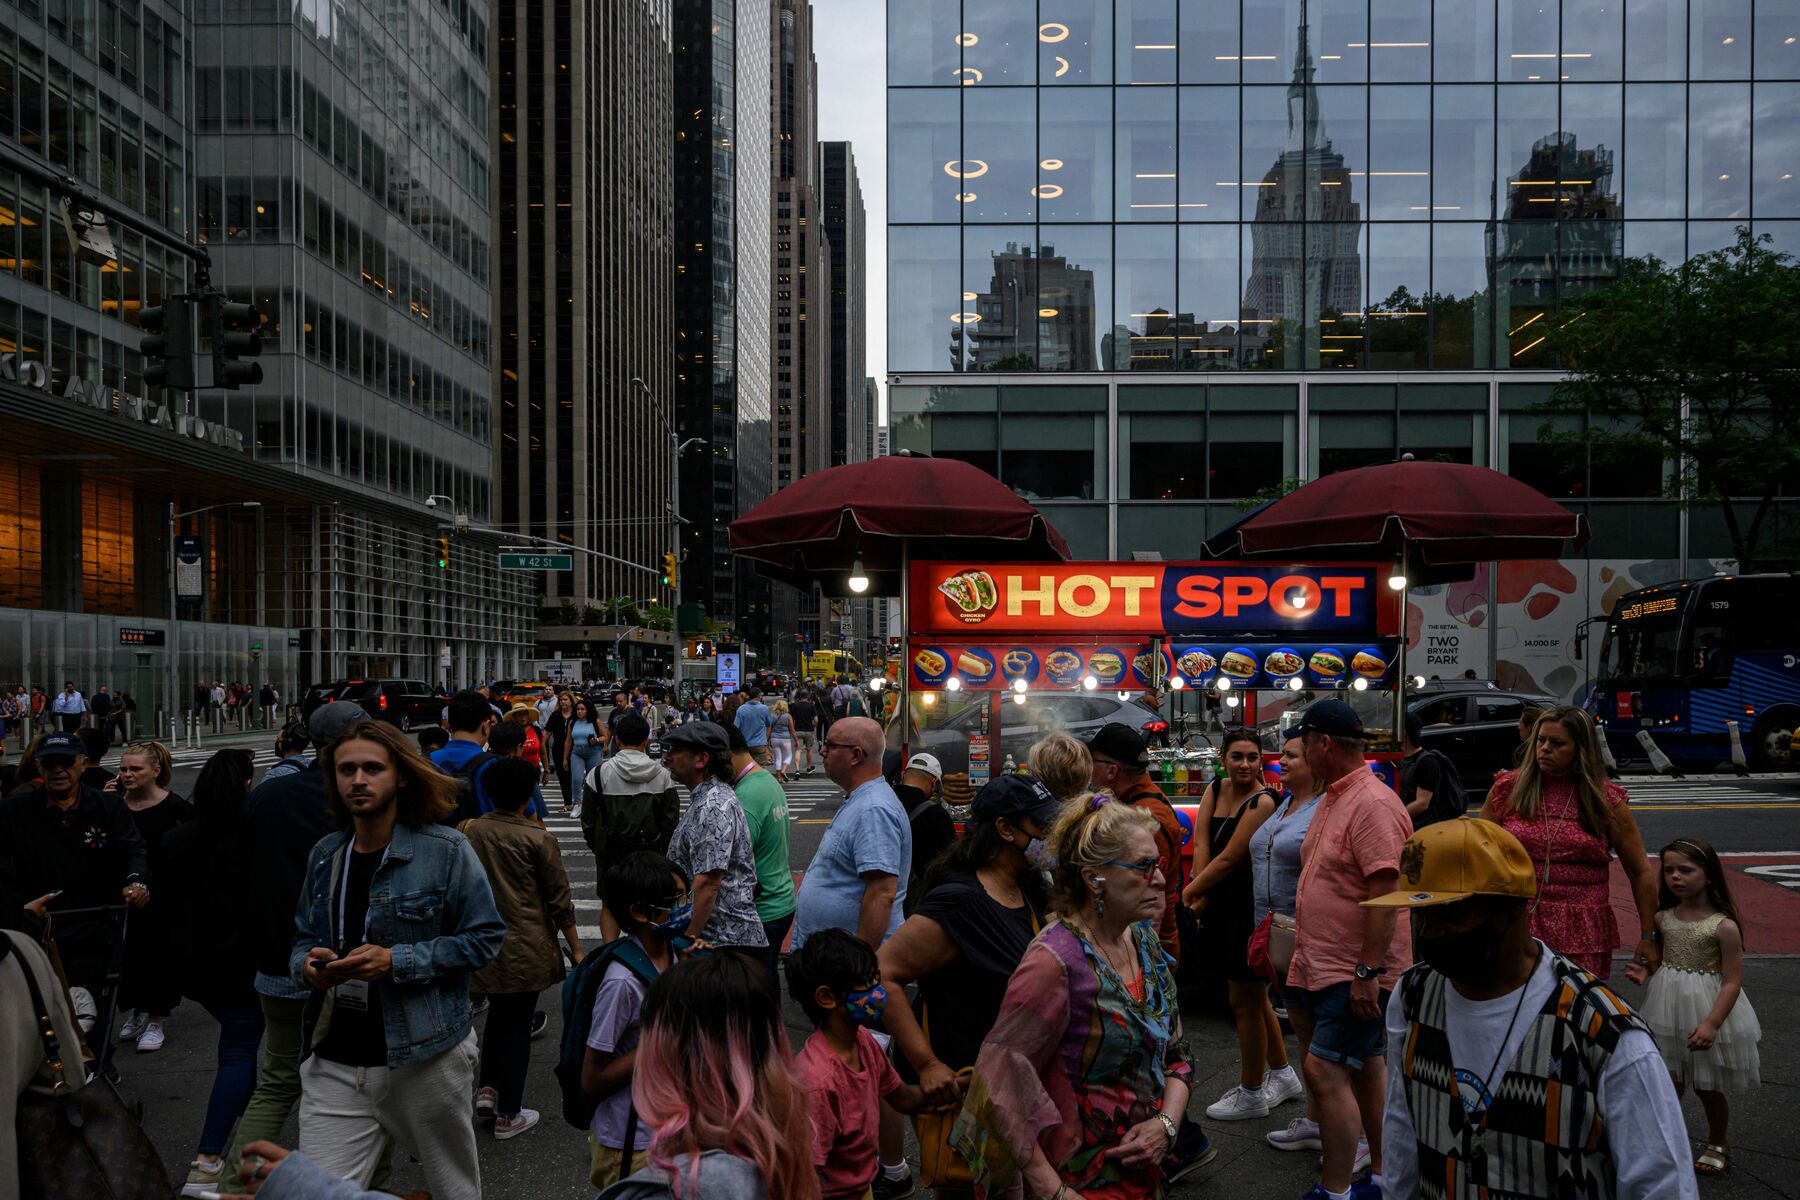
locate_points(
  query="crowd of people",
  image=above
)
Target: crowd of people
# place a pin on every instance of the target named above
(1011, 990)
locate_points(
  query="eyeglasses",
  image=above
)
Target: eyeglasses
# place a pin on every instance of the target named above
(1145, 867)
(830, 745)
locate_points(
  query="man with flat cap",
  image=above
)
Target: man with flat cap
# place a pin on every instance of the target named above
(711, 843)
(1512, 1071)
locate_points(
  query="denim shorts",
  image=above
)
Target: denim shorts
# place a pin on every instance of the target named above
(1339, 1035)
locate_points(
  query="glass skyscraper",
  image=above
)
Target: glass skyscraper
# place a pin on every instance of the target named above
(1149, 258)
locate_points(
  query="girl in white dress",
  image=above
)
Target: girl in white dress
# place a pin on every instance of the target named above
(1694, 1003)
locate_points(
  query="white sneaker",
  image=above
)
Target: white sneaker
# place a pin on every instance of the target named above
(511, 1127)
(133, 1028)
(1301, 1134)
(1362, 1157)
(486, 1100)
(1239, 1104)
(203, 1178)
(152, 1038)
(1281, 1086)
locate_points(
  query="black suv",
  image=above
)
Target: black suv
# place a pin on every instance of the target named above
(1477, 728)
(408, 703)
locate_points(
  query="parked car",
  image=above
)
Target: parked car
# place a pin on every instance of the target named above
(408, 703)
(1023, 724)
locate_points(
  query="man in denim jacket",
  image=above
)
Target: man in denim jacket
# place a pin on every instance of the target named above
(394, 917)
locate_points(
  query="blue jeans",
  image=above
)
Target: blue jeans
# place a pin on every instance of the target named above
(240, 1033)
(583, 759)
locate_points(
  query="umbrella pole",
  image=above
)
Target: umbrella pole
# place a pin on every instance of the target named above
(1405, 635)
(905, 680)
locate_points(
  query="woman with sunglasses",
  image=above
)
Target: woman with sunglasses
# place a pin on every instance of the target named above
(1089, 1037)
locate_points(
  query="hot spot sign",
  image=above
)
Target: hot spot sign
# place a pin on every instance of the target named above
(1203, 600)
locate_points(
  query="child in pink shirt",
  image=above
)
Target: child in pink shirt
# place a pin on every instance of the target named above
(836, 979)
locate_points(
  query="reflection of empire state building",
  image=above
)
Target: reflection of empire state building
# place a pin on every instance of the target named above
(1305, 260)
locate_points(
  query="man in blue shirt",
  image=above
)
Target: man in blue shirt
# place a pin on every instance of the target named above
(753, 720)
(857, 880)
(471, 721)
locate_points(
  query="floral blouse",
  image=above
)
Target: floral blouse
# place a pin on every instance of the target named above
(1073, 1063)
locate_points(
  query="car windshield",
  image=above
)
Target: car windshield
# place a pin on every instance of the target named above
(1642, 648)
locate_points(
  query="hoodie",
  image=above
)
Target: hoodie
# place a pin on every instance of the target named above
(628, 803)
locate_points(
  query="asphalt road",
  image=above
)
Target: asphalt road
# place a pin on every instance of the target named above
(550, 1162)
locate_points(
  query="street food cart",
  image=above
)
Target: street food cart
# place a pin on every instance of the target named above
(1247, 644)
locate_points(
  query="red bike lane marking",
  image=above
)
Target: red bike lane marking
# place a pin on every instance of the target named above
(1769, 910)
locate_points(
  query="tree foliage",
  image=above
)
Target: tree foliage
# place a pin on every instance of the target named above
(1699, 362)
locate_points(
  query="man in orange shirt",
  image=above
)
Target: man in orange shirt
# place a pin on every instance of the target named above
(1346, 957)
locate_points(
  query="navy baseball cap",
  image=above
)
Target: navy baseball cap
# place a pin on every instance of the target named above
(1015, 796)
(60, 745)
(1331, 717)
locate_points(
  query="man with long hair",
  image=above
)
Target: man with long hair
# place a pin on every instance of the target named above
(396, 914)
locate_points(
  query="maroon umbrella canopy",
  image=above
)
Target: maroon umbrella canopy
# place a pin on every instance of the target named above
(1436, 513)
(815, 529)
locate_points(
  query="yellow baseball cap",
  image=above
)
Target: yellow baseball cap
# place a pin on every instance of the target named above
(1453, 860)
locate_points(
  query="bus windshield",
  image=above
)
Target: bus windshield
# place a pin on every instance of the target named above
(1646, 647)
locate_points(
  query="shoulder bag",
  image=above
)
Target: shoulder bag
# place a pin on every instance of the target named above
(1271, 949)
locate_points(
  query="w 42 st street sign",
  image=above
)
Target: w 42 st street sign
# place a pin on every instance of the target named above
(529, 561)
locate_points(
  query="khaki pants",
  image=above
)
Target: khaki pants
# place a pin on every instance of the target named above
(350, 1115)
(763, 755)
(604, 1163)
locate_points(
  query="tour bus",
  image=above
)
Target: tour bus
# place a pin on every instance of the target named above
(1681, 659)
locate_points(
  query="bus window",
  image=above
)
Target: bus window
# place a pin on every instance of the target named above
(1710, 656)
(1645, 648)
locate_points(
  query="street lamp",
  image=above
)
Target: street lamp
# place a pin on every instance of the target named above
(676, 448)
(174, 607)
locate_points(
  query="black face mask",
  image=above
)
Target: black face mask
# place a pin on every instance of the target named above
(1471, 958)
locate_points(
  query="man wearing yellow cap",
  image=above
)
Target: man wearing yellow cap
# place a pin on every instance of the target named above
(1511, 1071)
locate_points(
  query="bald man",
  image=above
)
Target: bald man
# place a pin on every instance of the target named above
(857, 880)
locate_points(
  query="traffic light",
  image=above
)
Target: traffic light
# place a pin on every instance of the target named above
(668, 570)
(168, 345)
(236, 336)
(443, 559)
(702, 648)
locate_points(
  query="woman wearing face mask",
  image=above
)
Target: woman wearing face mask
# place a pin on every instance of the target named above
(151, 983)
(1572, 820)
(982, 901)
(1082, 1083)
(1231, 811)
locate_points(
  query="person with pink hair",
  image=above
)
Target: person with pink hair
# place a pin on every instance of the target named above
(714, 1079)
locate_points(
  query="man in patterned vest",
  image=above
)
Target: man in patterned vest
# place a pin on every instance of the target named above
(1511, 1071)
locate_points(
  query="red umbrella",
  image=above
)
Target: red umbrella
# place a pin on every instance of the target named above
(884, 511)
(1434, 513)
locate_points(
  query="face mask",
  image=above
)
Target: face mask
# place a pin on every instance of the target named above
(677, 922)
(866, 1006)
(1040, 856)
(1470, 958)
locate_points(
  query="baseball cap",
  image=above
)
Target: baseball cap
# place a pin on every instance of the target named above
(330, 721)
(1015, 796)
(701, 735)
(1453, 860)
(1331, 717)
(1120, 743)
(59, 745)
(927, 763)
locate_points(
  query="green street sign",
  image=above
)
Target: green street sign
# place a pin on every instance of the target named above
(536, 562)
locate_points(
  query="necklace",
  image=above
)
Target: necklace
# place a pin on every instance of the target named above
(1481, 1084)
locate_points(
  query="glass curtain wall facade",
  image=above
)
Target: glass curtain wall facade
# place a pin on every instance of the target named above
(722, 294)
(1150, 258)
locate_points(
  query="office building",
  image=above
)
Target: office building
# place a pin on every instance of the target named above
(307, 552)
(585, 290)
(1148, 260)
(723, 313)
(841, 213)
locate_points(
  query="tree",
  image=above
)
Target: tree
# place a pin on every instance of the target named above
(1699, 363)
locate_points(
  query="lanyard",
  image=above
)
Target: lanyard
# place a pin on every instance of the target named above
(344, 894)
(744, 772)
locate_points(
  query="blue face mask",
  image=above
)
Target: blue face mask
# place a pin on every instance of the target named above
(866, 1005)
(676, 923)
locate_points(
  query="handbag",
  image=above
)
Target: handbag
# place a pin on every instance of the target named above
(939, 1163)
(80, 1144)
(1271, 950)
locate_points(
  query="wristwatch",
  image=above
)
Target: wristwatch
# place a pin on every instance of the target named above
(1168, 1124)
(1363, 971)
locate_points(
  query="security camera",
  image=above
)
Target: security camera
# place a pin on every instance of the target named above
(431, 502)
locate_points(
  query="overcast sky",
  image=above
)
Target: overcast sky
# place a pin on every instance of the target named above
(849, 38)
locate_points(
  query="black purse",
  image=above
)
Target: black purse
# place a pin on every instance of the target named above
(81, 1143)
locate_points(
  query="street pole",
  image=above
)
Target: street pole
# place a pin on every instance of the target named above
(675, 580)
(174, 634)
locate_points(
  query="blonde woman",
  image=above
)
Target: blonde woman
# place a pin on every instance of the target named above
(150, 985)
(1083, 1081)
(781, 738)
(1062, 763)
(1572, 820)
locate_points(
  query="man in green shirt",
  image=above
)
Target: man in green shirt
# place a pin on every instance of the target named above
(766, 812)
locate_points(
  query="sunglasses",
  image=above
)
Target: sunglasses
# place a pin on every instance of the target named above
(1145, 867)
(830, 745)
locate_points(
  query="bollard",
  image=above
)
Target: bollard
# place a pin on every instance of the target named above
(1606, 756)
(1658, 759)
(1738, 762)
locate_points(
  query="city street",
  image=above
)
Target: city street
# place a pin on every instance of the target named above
(1756, 823)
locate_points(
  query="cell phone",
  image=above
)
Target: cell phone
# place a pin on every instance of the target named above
(56, 893)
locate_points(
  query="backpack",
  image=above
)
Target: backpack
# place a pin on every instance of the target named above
(1450, 801)
(578, 993)
(626, 822)
(468, 804)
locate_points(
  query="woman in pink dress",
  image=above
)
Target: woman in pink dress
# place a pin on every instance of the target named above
(1572, 820)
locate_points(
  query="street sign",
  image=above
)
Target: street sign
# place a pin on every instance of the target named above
(510, 561)
(190, 576)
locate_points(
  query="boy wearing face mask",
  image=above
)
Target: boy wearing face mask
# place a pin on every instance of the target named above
(649, 896)
(1556, 1087)
(836, 979)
